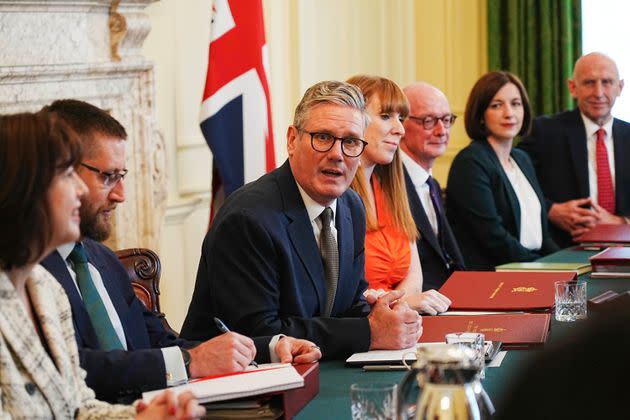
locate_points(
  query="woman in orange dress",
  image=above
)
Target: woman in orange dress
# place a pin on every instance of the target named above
(391, 255)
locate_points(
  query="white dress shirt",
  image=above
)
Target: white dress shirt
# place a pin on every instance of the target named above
(591, 148)
(419, 178)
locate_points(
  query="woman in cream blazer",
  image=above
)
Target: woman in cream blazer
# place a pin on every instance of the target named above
(40, 193)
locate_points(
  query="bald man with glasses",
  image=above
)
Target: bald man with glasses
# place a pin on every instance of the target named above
(427, 133)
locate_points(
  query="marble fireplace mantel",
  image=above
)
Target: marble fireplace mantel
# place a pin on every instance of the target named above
(92, 50)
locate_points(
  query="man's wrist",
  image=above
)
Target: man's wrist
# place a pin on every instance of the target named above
(273, 356)
(187, 358)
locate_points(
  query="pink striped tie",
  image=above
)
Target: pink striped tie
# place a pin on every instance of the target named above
(605, 190)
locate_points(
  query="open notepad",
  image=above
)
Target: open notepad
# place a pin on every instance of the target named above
(266, 378)
(385, 356)
(390, 357)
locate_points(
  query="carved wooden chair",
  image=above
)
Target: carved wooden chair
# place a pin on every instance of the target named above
(144, 270)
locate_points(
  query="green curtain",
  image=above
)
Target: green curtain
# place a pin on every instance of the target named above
(539, 40)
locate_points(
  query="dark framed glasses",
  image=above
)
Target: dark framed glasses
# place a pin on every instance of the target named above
(109, 179)
(323, 142)
(430, 121)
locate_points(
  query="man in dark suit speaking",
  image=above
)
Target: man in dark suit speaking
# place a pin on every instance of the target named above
(285, 253)
(427, 132)
(123, 346)
(581, 156)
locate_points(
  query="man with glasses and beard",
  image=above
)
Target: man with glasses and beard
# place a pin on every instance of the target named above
(123, 346)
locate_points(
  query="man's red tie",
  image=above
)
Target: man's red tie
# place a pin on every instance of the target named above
(605, 190)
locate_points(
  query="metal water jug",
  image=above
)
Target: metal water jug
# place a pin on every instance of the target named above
(443, 384)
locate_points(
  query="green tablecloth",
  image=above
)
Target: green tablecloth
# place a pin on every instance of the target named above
(333, 401)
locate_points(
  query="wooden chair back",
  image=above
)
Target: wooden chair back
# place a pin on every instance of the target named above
(144, 271)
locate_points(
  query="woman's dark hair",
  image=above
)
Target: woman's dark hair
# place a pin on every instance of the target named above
(480, 97)
(34, 148)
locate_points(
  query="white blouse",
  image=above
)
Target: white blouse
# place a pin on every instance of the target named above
(531, 225)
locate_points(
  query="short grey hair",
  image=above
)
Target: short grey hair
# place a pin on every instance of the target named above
(330, 92)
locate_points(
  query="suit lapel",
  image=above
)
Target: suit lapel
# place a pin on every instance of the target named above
(58, 268)
(621, 140)
(345, 241)
(575, 135)
(19, 333)
(300, 232)
(420, 216)
(507, 185)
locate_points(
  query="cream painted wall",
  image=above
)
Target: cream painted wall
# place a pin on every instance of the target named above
(442, 42)
(451, 54)
(178, 44)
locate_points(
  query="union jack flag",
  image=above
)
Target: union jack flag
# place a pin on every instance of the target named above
(236, 108)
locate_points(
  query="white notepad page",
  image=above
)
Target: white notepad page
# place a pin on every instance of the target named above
(270, 377)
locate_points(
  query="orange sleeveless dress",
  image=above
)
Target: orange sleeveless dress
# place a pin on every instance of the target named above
(387, 250)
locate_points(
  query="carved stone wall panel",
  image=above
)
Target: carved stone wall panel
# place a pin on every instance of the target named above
(50, 34)
(53, 49)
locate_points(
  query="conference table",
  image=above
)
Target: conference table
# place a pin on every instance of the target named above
(333, 400)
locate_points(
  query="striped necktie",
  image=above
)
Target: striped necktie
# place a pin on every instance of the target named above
(105, 332)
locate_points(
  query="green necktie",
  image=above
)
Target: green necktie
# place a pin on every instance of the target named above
(103, 327)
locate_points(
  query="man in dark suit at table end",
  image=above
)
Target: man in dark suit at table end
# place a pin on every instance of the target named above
(123, 346)
(582, 156)
(285, 253)
(427, 132)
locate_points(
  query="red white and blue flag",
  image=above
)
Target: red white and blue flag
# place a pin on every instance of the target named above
(236, 108)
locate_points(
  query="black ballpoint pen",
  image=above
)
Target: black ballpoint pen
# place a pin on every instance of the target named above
(224, 329)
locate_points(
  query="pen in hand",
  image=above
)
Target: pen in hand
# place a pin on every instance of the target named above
(224, 329)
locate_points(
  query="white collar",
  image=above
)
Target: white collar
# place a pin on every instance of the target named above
(592, 127)
(417, 173)
(65, 250)
(313, 208)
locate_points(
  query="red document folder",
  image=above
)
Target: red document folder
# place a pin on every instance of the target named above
(613, 262)
(513, 330)
(502, 291)
(606, 234)
(280, 404)
(295, 399)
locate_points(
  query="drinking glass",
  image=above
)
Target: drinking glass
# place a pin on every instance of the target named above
(570, 300)
(475, 341)
(373, 401)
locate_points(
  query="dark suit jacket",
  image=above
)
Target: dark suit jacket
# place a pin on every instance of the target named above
(118, 375)
(261, 270)
(557, 147)
(483, 208)
(435, 266)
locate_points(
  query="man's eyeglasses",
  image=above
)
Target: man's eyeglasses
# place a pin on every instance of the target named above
(323, 142)
(429, 121)
(109, 179)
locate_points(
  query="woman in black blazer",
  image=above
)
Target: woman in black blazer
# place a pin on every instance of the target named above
(494, 202)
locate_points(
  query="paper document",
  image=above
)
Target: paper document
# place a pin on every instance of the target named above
(480, 312)
(270, 377)
(386, 356)
(497, 360)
